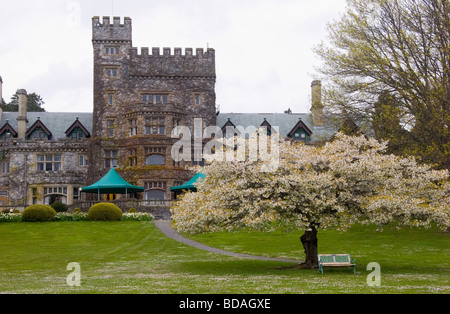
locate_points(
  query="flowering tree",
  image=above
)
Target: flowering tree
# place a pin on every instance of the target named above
(391, 58)
(350, 180)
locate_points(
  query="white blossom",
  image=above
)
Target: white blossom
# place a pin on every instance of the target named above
(347, 181)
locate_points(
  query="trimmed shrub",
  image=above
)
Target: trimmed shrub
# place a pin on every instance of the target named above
(104, 211)
(59, 207)
(132, 210)
(38, 213)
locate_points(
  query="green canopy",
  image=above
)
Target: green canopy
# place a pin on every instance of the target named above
(112, 183)
(190, 185)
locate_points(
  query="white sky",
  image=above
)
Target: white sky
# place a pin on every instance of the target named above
(264, 58)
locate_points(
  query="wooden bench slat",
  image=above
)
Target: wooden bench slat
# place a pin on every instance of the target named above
(337, 264)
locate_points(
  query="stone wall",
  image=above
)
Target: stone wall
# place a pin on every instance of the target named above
(202, 64)
(25, 183)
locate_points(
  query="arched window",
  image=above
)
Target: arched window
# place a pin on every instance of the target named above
(155, 191)
(155, 160)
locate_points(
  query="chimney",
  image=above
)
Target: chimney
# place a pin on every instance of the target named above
(22, 118)
(1, 90)
(316, 103)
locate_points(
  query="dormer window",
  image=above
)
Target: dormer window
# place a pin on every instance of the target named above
(6, 135)
(77, 131)
(230, 127)
(301, 132)
(38, 131)
(301, 135)
(77, 134)
(268, 127)
(7, 132)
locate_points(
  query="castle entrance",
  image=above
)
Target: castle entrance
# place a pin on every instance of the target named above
(53, 198)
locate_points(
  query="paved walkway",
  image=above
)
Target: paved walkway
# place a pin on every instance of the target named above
(166, 228)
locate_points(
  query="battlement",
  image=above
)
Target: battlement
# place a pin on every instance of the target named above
(115, 31)
(152, 63)
(172, 64)
(167, 52)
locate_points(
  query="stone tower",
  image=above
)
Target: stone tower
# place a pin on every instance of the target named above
(139, 96)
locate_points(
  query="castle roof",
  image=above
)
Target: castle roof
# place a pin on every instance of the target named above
(57, 123)
(286, 123)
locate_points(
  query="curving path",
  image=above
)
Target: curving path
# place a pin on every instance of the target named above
(165, 227)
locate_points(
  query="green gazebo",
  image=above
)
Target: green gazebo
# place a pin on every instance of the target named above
(188, 186)
(112, 183)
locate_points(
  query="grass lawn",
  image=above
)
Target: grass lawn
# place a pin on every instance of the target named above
(135, 257)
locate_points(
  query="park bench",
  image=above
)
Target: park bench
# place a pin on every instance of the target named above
(335, 260)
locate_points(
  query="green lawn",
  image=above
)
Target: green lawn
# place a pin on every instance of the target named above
(134, 257)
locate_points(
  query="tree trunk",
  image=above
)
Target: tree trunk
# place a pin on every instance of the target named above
(309, 242)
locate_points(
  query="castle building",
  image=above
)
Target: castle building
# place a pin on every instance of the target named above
(43, 156)
(140, 96)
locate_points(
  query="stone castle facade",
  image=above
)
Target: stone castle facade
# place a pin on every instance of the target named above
(140, 95)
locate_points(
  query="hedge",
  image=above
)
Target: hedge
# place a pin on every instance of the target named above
(38, 213)
(104, 212)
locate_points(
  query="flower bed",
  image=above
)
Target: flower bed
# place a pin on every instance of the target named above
(137, 217)
(10, 217)
(17, 217)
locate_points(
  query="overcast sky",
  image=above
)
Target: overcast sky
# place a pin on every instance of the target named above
(264, 57)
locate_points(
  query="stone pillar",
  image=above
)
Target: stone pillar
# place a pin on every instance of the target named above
(69, 200)
(22, 118)
(316, 103)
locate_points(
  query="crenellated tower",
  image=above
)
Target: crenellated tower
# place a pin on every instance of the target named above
(114, 32)
(112, 43)
(140, 95)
